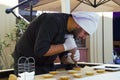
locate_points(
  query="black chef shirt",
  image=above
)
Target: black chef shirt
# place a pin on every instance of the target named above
(47, 29)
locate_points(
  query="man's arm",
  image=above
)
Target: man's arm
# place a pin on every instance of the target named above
(66, 46)
(55, 49)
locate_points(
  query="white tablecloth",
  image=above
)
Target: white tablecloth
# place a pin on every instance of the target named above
(107, 76)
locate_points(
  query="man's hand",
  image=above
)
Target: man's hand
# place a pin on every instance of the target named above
(76, 56)
(72, 58)
(69, 44)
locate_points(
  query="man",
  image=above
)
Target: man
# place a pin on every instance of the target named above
(44, 38)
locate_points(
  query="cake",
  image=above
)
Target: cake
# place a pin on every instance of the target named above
(64, 77)
(54, 72)
(77, 68)
(100, 71)
(72, 71)
(12, 77)
(47, 76)
(77, 75)
(89, 73)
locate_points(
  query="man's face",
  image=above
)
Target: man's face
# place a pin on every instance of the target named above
(80, 33)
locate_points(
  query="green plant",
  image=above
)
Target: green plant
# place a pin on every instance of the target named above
(20, 28)
(7, 45)
(3, 60)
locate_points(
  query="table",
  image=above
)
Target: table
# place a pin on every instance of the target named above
(107, 75)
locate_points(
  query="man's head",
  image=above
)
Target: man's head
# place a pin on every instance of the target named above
(87, 23)
(80, 33)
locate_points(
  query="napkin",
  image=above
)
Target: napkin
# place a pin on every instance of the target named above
(26, 76)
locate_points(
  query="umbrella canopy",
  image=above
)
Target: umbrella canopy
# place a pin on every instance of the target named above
(76, 5)
(53, 5)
